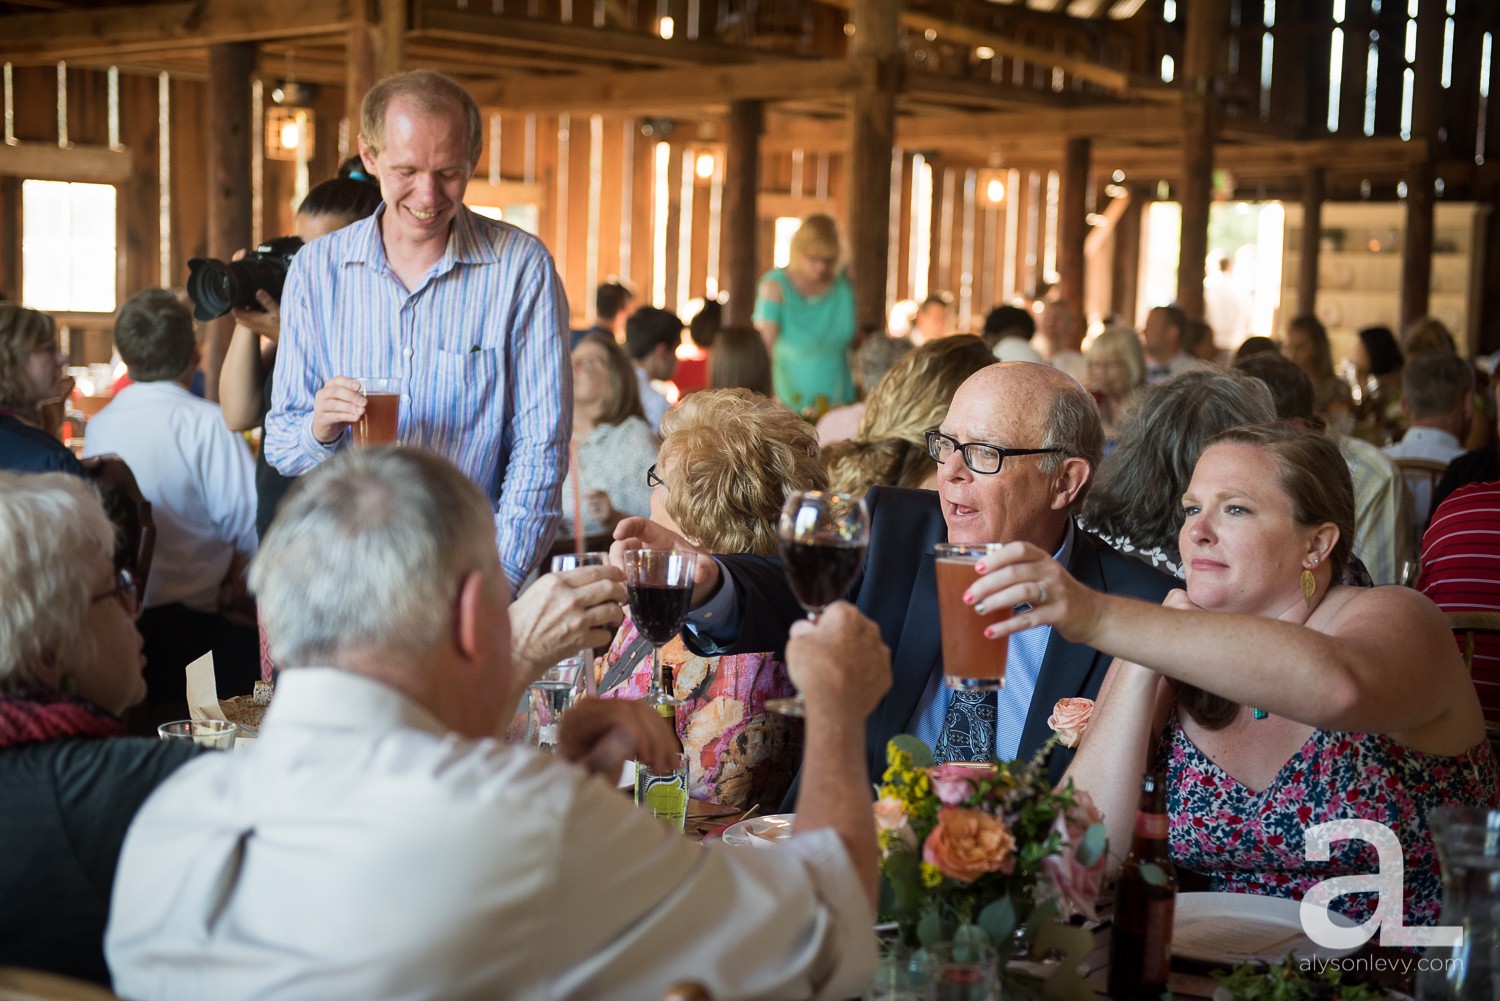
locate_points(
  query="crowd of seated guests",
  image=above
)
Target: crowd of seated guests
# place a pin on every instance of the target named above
(1253, 485)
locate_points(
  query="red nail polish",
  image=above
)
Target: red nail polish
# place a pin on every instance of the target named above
(968, 598)
(979, 568)
(989, 632)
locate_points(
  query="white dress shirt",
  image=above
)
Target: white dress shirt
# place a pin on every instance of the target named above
(1434, 444)
(653, 402)
(360, 851)
(199, 478)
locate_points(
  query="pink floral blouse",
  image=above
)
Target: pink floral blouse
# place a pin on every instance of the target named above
(739, 754)
(1250, 842)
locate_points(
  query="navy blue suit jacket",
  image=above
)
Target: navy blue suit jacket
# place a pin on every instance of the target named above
(898, 590)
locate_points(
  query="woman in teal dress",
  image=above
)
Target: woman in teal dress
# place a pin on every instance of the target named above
(805, 312)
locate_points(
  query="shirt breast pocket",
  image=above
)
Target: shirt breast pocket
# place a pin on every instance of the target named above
(468, 388)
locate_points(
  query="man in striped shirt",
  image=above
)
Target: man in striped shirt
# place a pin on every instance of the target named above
(466, 312)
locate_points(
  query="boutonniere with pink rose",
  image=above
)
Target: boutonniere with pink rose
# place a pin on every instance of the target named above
(991, 851)
(1070, 717)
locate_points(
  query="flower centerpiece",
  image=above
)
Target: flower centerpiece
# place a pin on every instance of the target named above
(991, 851)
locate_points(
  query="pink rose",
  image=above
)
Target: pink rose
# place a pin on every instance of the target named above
(954, 782)
(966, 844)
(1075, 883)
(1070, 717)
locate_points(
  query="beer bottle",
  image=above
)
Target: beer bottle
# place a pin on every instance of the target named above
(1140, 948)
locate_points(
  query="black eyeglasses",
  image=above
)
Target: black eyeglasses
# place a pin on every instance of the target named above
(126, 591)
(652, 480)
(978, 456)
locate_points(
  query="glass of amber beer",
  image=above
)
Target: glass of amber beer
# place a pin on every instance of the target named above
(970, 661)
(382, 410)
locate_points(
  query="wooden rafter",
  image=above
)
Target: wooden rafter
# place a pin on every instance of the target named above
(163, 28)
(659, 90)
(1119, 81)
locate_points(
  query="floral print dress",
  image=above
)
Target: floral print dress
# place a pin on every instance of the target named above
(1249, 842)
(739, 754)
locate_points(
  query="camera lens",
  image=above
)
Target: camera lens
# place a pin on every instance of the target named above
(216, 287)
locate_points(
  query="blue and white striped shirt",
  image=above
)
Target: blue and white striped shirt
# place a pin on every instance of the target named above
(481, 347)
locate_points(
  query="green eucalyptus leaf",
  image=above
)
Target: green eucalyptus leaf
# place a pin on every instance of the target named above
(998, 920)
(1091, 846)
(921, 754)
(930, 928)
(1153, 874)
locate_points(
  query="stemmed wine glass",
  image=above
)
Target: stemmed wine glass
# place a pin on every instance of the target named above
(659, 583)
(823, 541)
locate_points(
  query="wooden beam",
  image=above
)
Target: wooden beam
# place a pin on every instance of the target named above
(1416, 248)
(227, 132)
(582, 44)
(45, 161)
(1313, 189)
(164, 27)
(654, 91)
(1119, 81)
(1134, 121)
(1072, 223)
(872, 126)
(741, 182)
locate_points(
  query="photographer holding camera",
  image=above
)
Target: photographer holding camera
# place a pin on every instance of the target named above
(466, 312)
(245, 381)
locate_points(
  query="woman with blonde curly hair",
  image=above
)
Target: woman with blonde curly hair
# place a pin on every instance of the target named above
(728, 459)
(890, 448)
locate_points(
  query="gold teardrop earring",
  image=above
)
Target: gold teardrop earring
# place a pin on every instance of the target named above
(1309, 584)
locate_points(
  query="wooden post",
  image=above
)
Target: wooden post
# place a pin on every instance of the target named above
(674, 229)
(1206, 27)
(1312, 231)
(1416, 254)
(872, 134)
(1127, 268)
(228, 143)
(1427, 113)
(377, 48)
(1195, 194)
(1072, 223)
(741, 185)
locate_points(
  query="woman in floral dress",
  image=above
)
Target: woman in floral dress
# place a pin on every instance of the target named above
(1273, 698)
(728, 459)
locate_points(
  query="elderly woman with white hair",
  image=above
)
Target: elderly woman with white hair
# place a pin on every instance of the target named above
(70, 664)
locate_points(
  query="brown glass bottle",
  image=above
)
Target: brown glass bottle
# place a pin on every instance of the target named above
(1140, 949)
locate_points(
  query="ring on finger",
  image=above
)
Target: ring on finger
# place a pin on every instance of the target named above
(1041, 597)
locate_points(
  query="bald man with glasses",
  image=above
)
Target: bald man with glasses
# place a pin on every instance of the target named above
(1015, 454)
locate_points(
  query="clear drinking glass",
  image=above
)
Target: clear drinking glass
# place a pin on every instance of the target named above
(970, 660)
(579, 667)
(382, 411)
(659, 583)
(215, 733)
(823, 541)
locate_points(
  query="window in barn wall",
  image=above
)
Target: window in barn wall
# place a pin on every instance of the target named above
(1480, 137)
(68, 246)
(786, 228)
(921, 227)
(1335, 66)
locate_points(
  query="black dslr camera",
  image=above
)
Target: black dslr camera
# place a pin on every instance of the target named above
(216, 287)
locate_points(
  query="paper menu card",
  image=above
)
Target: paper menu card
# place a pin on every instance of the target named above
(202, 690)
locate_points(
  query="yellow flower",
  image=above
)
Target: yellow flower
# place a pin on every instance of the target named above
(932, 876)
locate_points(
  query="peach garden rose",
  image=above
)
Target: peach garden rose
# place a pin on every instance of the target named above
(966, 844)
(1070, 717)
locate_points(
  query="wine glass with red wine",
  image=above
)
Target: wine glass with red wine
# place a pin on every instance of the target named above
(659, 583)
(823, 541)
